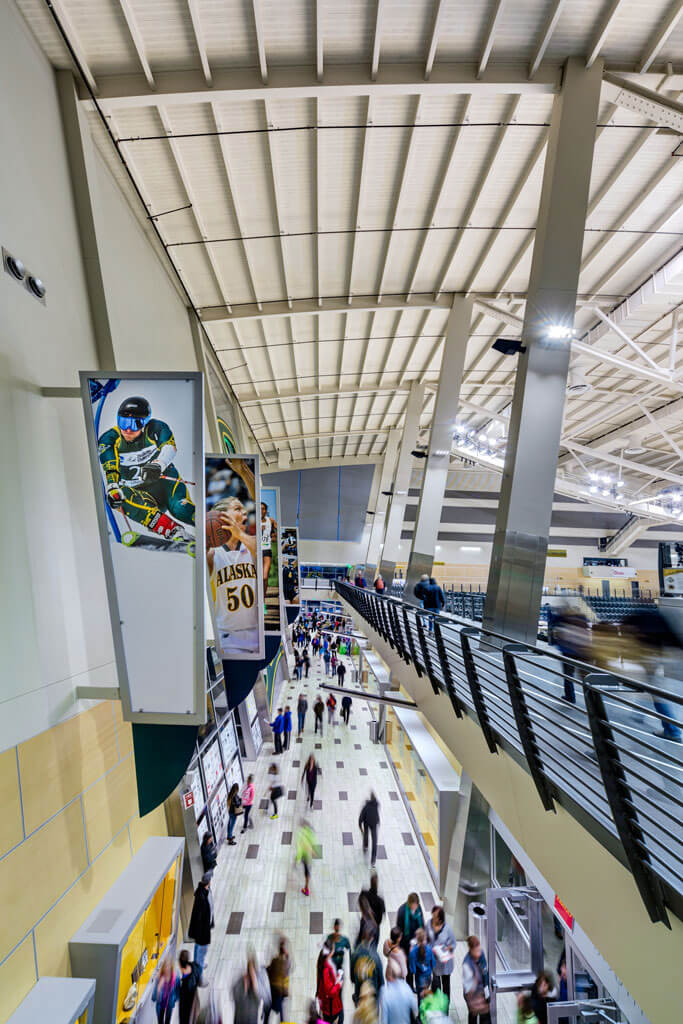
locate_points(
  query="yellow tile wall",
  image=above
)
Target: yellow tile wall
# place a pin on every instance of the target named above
(78, 831)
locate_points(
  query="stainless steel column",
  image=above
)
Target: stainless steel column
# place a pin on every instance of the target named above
(377, 528)
(404, 466)
(515, 583)
(440, 442)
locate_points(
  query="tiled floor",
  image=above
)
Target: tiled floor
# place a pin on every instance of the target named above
(257, 884)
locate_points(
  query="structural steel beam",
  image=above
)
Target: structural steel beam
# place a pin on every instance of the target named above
(361, 304)
(631, 95)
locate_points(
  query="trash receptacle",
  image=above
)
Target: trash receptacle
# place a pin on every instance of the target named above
(373, 730)
(476, 920)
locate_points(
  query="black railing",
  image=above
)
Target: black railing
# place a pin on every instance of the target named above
(605, 757)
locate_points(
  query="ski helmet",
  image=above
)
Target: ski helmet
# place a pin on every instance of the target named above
(134, 413)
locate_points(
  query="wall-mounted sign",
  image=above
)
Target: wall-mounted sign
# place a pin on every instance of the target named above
(269, 524)
(563, 914)
(145, 440)
(556, 552)
(291, 579)
(188, 799)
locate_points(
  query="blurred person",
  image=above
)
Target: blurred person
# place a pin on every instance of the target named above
(305, 850)
(376, 902)
(397, 1001)
(250, 992)
(433, 1005)
(310, 775)
(313, 1016)
(278, 971)
(366, 966)
(318, 711)
(234, 808)
(331, 708)
(275, 787)
(346, 703)
(368, 823)
(334, 661)
(277, 725)
(188, 997)
(368, 924)
(341, 672)
(379, 584)
(358, 579)
(211, 1012)
(542, 993)
(306, 662)
(209, 852)
(339, 943)
(248, 797)
(408, 919)
(366, 1008)
(525, 1011)
(572, 636)
(201, 920)
(287, 726)
(657, 650)
(329, 987)
(475, 983)
(421, 964)
(301, 709)
(166, 991)
(327, 658)
(395, 955)
(442, 941)
(297, 665)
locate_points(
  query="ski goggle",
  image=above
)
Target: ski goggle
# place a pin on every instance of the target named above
(132, 422)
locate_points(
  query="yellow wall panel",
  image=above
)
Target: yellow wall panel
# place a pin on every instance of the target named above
(17, 978)
(35, 875)
(57, 764)
(108, 805)
(124, 731)
(64, 920)
(11, 831)
(153, 824)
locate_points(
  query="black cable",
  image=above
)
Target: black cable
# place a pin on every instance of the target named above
(131, 178)
(324, 341)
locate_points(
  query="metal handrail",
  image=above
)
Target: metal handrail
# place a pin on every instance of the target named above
(580, 755)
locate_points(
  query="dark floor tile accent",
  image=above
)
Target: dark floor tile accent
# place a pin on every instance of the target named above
(286, 839)
(315, 926)
(408, 839)
(383, 764)
(340, 764)
(428, 901)
(343, 795)
(347, 839)
(393, 795)
(357, 746)
(299, 739)
(337, 741)
(363, 771)
(317, 805)
(278, 904)
(252, 851)
(296, 764)
(263, 805)
(354, 726)
(317, 852)
(381, 852)
(291, 794)
(352, 898)
(235, 923)
(318, 746)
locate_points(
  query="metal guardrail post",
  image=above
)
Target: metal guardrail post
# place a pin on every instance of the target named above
(398, 636)
(475, 688)
(411, 643)
(525, 727)
(425, 653)
(621, 804)
(384, 615)
(446, 670)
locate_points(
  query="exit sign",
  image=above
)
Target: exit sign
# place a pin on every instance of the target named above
(188, 799)
(563, 914)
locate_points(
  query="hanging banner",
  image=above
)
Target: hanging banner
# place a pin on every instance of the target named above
(226, 435)
(291, 582)
(233, 555)
(272, 565)
(145, 440)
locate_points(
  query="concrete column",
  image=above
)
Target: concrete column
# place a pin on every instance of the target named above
(381, 502)
(515, 583)
(404, 466)
(440, 442)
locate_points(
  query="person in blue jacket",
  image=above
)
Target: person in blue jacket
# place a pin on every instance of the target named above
(421, 964)
(166, 991)
(278, 726)
(287, 726)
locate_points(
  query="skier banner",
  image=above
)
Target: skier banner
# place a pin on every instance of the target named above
(145, 440)
(272, 565)
(234, 555)
(291, 583)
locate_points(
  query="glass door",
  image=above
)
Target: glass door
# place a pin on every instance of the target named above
(514, 941)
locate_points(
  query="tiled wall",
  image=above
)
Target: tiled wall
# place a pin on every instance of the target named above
(68, 827)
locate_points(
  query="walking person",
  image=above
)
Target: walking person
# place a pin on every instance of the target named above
(373, 897)
(394, 954)
(409, 918)
(366, 966)
(421, 964)
(278, 971)
(397, 1001)
(250, 992)
(301, 709)
(201, 921)
(188, 997)
(333, 660)
(329, 987)
(287, 727)
(234, 808)
(341, 672)
(305, 848)
(368, 924)
(339, 943)
(208, 852)
(297, 665)
(327, 658)
(475, 983)
(248, 797)
(331, 708)
(442, 941)
(275, 787)
(318, 711)
(346, 703)
(277, 725)
(307, 662)
(368, 823)
(310, 776)
(166, 990)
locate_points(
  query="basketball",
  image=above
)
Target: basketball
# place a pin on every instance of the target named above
(215, 534)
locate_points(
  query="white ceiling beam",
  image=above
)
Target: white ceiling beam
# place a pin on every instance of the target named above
(673, 343)
(299, 307)
(604, 27)
(617, 460)
(260, 46)
(661, 36)
(337, 393)
(138, 42)
(76, 44)
(496, 313)
(193, 6)
(548, 29)
(318, 203)
(663, 110)
(434, 38)
(340, 81)
(319, 8)
(629, 341)
(659, 429)
(599, 356)
(490, 36)
(276, 178)
(364, 161)
(636, 430)
(377, 40)
(321, 433)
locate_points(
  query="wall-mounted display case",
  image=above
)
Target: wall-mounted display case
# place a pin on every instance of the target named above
(218, 808)
(228, 737)
(123, 941)
(212, 766)
(57, 1000)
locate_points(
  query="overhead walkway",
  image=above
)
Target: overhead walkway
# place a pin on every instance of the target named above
(613, 849)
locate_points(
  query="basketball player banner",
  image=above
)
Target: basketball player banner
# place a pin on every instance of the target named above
(234, 555)
(145, 442)
(291, 582)
(272, 563)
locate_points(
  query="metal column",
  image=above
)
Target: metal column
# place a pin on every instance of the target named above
(404, 466)
(515, 583)
(377, 528)
(440, 442)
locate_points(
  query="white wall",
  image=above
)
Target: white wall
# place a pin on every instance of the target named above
(331, 552)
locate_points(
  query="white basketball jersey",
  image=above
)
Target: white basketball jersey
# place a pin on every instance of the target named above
(234, 584)
(266, 532)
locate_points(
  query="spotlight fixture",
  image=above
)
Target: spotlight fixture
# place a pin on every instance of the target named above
(418, 454)
(387, 494)
(15, 267)
(560, 332)
(509, 346)
(36, 286)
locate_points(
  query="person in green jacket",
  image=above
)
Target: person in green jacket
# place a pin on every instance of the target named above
(433, 1006)
(305, 847)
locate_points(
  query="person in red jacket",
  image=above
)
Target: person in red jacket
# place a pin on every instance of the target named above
(329, 987)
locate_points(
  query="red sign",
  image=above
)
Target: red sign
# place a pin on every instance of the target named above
(563, 914)
(188, 799)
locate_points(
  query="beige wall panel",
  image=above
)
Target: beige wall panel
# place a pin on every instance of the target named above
(153, 824)
(11, 831)
(108, 805)
(124, 731)
(57, 764)
(17, 978)
(64, 920)
(36, 874)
